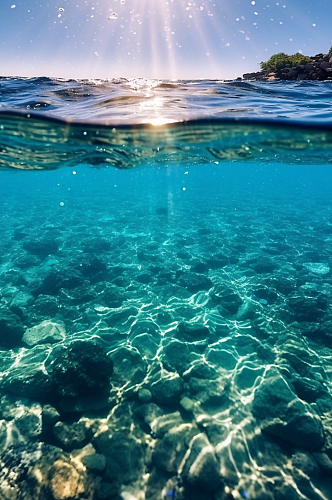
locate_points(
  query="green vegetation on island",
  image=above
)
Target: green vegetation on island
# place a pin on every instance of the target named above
(282, 60)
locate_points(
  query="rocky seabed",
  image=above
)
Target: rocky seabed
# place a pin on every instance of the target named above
(167, 354)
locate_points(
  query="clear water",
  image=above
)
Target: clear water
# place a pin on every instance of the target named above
(197, 257)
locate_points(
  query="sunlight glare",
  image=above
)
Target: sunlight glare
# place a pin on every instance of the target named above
(156, 104)
(160, 120)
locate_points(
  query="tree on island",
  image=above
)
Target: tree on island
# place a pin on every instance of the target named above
(282, 60)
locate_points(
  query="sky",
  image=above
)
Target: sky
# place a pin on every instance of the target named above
(163, 39)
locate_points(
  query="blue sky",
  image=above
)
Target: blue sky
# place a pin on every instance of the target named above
(156, 38)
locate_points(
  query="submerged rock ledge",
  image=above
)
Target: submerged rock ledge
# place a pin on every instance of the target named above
(320, 68)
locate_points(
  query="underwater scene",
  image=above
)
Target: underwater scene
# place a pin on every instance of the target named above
(165, 290)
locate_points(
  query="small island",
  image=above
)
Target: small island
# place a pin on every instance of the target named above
(282, 66)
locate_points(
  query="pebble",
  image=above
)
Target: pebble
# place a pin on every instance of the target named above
(144, 396)
(187, 404)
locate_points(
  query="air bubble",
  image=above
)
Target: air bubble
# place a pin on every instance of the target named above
(114, 15)
(62, 204)
(61, 9)
(13, 6)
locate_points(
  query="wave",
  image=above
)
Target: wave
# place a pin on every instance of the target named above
(141, 100)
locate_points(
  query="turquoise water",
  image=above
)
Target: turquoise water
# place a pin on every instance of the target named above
(165, 297)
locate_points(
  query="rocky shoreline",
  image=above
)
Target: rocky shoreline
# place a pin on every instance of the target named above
(320, 68)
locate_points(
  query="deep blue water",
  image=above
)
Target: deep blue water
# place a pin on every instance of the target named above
(165, 291)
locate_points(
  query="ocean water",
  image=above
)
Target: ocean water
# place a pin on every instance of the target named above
(165, 290)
